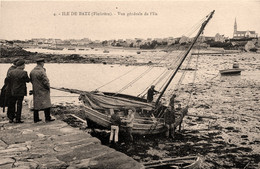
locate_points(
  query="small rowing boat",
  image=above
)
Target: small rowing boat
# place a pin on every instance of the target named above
(234, 71)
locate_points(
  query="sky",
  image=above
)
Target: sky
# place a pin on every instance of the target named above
(124, 19)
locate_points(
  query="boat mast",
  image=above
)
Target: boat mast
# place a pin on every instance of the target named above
(185, 55)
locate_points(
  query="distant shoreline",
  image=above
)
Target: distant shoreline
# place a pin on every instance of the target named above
(9, 53)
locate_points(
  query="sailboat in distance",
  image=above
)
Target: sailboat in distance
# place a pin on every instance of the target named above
(98, 106)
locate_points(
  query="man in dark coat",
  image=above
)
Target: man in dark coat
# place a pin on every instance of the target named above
(5, 91)
(13, 66)
(150, 93)
(41, 91)
(17, 80)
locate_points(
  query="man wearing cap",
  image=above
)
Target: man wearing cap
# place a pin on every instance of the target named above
(41, 91)
(150, 93)
(13, 66)
(17, 80)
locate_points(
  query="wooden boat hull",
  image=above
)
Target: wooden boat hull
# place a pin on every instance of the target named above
(235, 71)
(142, 125)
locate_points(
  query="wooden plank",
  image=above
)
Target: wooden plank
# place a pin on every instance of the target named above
(80, 119)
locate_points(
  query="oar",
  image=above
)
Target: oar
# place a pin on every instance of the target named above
(80, 119)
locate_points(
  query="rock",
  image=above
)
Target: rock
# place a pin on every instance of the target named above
(4, 161)
(84, 152)
(50, 162)
(85, 163)
(25, 165)
(13, 150)
(2, 144)
(10, 165)
(161, 146)
(116, 160)
(136, 157)
(202, 142)
(244, 136)
(68, 130)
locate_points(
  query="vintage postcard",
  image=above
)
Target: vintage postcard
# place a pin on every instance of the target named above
(130, 84)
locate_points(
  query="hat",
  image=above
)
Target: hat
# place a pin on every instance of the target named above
(132, 109)
(15, 60)
(40, 60)
(20, 62)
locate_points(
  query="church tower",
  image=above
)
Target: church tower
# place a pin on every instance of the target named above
(235, 26)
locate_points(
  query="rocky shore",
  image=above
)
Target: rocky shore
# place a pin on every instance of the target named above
(9, 53)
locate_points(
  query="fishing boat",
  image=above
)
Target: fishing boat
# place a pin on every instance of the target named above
(99, 105)
(96, 105)
(55, 48)
(105, 51)
(190, 162)
(71, 48)
(234, 71)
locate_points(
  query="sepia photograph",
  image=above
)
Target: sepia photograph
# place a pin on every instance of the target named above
(136, 84)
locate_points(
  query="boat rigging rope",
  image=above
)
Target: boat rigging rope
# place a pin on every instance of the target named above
(164, 74)
(194, 78)
(132, 82)
(169, 76)
(116, 78)
(183, 75)
(195, 27)
(195, 73)
(140, 76)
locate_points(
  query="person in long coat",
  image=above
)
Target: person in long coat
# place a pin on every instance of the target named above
(17, 79)
(5, 90)
(41, 91)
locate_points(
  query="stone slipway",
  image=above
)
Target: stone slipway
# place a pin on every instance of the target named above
(55, 145)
